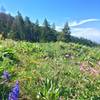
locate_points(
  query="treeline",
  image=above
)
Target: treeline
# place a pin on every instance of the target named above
(19, 28)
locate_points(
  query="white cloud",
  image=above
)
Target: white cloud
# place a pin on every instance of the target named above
(75, 23)
(80, 29)
(59, 28)
(89, 33)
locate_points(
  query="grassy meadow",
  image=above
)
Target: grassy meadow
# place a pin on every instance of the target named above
(50, 71)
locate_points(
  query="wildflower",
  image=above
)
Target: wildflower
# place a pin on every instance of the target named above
(94, 71)
(6, 75)
(0, 98)
(82, 67)
(38, 95)
(13, 95)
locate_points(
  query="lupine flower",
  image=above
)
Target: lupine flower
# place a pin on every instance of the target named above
(6, 75)
(13, 95)
(0, 98)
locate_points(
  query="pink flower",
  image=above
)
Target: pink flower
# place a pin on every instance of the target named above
(82, 67)
(93, 71)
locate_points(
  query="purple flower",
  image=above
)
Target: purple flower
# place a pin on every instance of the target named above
(13, 95)
(0, 98)
(6, 75)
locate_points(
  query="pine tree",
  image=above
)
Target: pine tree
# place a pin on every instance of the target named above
(37, 31)
(46, 30)
(53, 26)
(66, 33)
(20, 26)
(28, 29)
(5, 24)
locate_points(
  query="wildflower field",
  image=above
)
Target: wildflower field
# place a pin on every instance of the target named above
(49, 71)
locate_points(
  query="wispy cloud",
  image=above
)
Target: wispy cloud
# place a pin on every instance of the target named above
(89, 33)
(75, 23)
(59, 28)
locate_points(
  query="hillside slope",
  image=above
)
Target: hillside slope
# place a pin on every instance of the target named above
(51, 71)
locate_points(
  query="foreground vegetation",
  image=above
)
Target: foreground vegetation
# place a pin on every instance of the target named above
(50, 71)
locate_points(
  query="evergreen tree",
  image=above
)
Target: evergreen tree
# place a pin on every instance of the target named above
(28, 29)
(9, 22)
(53, 26)
(37, 31)
(46, 30)
(20, 23)
(37, 22)
(17, 28)
(14, 34)
(52, 36)
(66, 33)
(5, 24)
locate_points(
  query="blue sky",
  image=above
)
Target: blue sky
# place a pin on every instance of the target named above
(83, 15)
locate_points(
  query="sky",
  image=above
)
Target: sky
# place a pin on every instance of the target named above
(83, 16)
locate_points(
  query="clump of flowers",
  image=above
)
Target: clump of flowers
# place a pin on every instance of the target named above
(89, 69)
(94, 71)
(82, 67)
(6, 75)
(14, 94)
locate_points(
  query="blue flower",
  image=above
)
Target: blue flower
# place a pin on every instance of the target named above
(14, 94)
(6, 75)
